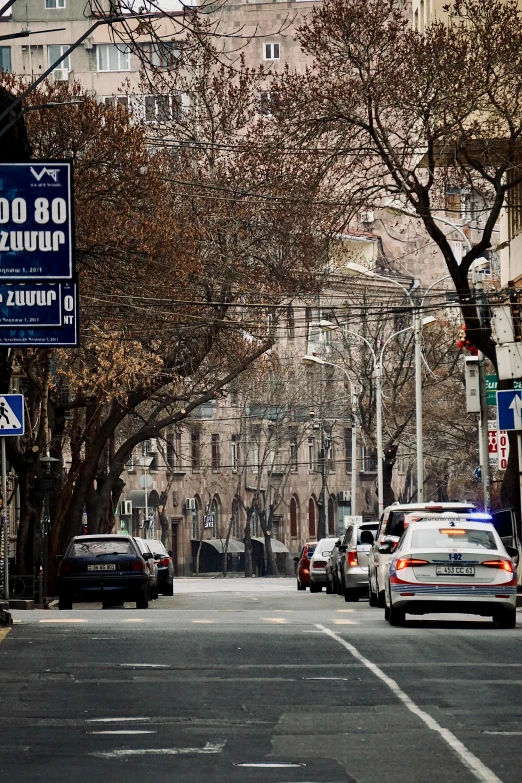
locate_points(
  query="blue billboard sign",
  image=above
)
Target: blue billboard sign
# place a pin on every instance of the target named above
(38, 314)
(36, 221)
(509, 407)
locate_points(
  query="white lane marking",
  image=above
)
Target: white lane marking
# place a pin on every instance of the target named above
(201, 622)
(280, 620)
(124, 731)
(344, 622)
(345, 679)
(114, 720)
(505, 733)
(475, 765)
(124, 752)
(270, 764)
(344, 610)
(145, 665)
(70, 620)
(133, 620)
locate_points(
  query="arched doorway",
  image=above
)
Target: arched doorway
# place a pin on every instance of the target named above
(331, 517)
(311, 518)
(294, 511)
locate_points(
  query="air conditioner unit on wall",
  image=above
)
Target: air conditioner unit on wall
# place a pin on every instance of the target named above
(88, 43)
(61, 75)
(126, 508)
(190, 504)
(344, 496)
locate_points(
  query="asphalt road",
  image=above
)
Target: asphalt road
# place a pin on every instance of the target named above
(227, 675)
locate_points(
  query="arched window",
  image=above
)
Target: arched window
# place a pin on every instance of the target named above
(293, 518)
(214, 510)
(311, 518)
(235, 519)
(331, 517)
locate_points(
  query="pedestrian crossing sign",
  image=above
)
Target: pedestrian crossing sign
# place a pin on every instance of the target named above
(11, 414)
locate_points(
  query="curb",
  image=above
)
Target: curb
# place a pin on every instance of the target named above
(5, 614)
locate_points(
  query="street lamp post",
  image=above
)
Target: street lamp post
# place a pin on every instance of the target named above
(311, 359)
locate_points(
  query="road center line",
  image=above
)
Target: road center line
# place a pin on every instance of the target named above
(123, 752)
(475, 766)
(124, 731)
(280, 620)
(70, 620)
(114, 720)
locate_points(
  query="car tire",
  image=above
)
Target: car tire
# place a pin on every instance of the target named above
(506, 618)
(387, 613)
(65, 602)
(351, 594)
(372, 595)
(315, 588)
(142, 601)
(396, 616)
(340, 590)
(381, 601)
(300, 586)
(329, 589)
(168, 589)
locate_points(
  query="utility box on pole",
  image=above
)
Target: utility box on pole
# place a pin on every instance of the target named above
(472, 385)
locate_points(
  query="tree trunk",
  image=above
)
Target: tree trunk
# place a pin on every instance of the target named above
(390, 454)
(225, 548)
(266, 526)
(248, 542)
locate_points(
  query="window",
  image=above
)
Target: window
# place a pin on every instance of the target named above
(214, 444)
(311, 453)
(294, 465)
(195, 449)
(5, 59)
(293, 518)
(268, 102)
(452, 202)
(171, 454)
(368, 463)
(116, 100)
(235, 453)
(254, 451)
(52, 4)
(162, 108)
(55, 52)
(272, 51)
(113, 57)
(161, 54)
(348, 434)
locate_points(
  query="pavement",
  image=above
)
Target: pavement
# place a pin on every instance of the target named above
(250, 681)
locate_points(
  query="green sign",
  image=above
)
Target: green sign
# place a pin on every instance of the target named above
(491, 388)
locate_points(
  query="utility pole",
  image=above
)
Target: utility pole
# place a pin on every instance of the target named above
(321, 524)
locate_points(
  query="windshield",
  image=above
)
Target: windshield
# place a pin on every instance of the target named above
(311, 550)
(104, 546)
(156, 546)
(444, 538)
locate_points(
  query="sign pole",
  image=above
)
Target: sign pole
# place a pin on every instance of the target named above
(5, 523)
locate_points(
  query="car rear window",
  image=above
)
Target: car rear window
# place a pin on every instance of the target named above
(371, 528)
(395, 526)
(440, 538)
(156, 546)
(311, 550)
(103, 546)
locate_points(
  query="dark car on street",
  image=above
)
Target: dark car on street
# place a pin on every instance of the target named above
(146, 552)
(303, 565)
(165, 566)
(104, 568)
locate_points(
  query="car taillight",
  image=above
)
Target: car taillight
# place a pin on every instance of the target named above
(352, 559)
(138, 565)
(504, 565)
(319, 564)
(410, 562)
(164, 561)
(65, 567)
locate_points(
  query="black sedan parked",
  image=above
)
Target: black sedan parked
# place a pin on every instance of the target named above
(104, 568)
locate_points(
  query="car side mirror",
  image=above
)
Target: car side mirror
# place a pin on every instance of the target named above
(513, 553)
(170, 553)
(147, 555)
(58, 558)
(296, 559)
(343, 548)
(387, 546)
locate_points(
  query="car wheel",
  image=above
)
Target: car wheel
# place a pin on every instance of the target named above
(340, 590)
(350, 594)
(142, 602)
(373, 596)
(300, 586)
(64, 602)
(329, 589)
(387, 614)
(168, 589)
(396, 616)
(381, 602)
(506, 618)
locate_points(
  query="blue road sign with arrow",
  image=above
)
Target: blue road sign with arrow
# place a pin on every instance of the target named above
(11, 414)
(509, 407)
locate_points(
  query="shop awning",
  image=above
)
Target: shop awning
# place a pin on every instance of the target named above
(138, 498)
(234, 546)
(277, 546)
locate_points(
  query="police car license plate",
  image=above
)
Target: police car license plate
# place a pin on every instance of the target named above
(455, 570)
